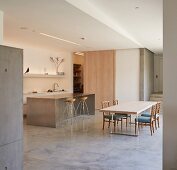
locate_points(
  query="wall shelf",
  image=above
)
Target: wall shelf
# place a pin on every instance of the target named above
(42, 76)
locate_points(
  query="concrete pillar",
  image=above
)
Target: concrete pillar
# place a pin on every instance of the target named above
(146, 74)
(170, 85)
(1, 27)
(11, 119)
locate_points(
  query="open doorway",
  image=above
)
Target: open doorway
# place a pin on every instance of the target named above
(78, 79)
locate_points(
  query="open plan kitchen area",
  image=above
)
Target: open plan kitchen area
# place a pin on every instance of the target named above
(61, 125)
(82, 85)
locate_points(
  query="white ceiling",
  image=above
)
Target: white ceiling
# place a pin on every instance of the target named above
(104, 24)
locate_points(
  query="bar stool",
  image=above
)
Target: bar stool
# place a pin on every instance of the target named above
(83, 113)
(69, 111)
(82, 108)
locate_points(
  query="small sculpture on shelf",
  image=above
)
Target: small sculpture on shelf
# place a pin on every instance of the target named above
(27, 71)
(57, 61)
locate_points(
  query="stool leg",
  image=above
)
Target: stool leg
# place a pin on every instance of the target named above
(80, 111)
(65, 114)
(68, 114)
(74, 111)
(86, 108)
(83, 109)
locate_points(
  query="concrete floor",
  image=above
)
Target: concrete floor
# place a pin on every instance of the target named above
(92, 149)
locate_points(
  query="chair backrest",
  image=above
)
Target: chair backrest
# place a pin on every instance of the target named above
(105, 104)
(158, 105)
(153, 112)
(115, 102)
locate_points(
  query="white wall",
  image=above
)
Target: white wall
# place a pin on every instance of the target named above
(170, 86)
(127, 75)
(37, 59)
(1, 27)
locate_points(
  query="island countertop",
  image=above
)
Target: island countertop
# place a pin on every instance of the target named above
(60, 96)
(48, 110)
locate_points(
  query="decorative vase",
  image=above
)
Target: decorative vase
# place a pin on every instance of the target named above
(57, 61)
(57, 72)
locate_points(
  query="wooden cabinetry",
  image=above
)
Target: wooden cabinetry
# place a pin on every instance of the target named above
(99, 75)
(77, 78)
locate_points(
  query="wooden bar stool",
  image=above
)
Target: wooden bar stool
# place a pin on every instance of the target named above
(83, 113)
(69, 111)
(82, 108)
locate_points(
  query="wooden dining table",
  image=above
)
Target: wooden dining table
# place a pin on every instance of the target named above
(130, 108)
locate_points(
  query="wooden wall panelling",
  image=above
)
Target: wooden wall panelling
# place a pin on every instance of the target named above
(99, 75)
(105, 77)
(90, 72)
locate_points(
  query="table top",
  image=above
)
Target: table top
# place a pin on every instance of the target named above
(129, 107)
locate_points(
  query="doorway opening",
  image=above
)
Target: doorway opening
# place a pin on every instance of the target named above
(78, 70)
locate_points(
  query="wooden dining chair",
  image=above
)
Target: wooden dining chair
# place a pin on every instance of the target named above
(107, 117)
(124, 116)
(142, 120)
(156, 116)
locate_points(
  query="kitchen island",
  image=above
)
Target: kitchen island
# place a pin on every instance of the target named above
(48, 110)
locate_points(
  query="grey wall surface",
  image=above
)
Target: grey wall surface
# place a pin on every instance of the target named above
(158, 73)
(170, 86)
(1, 27)
(146, 74)
(11, 119)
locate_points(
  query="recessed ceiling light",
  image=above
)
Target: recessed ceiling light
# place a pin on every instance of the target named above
(23, 28)
(57, 38)
(82, 38)
(137, 7)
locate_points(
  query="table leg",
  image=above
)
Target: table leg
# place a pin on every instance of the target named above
(137, 126)
(126, 134)
(112, 119)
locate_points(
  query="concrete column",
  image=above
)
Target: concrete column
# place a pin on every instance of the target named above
(1, 27)
(11, 119)
(170, 85)
(146, 74)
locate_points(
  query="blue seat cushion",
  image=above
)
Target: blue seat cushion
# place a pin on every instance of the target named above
(146, 114)
(149, 115)
(143, 119)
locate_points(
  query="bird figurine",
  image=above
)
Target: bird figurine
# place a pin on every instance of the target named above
(27, 70)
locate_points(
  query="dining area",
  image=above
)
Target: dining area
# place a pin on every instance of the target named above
(128, 117)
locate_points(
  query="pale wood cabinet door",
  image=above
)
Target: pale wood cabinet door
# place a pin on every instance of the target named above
(89, 72)
(99, 75)
(105, 77)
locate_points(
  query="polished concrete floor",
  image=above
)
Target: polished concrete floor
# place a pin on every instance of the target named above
(88, 147)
